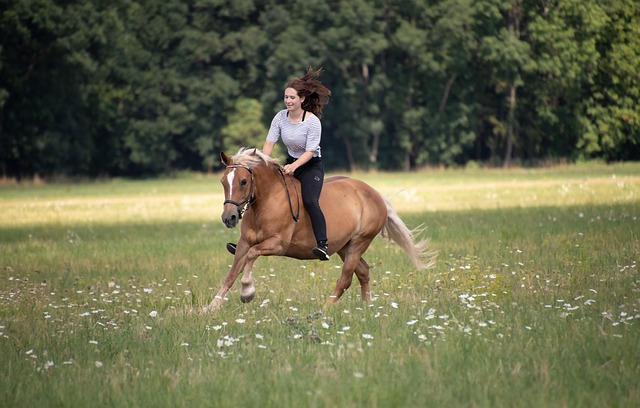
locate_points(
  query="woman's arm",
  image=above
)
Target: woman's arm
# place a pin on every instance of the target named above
(268, 147)
(290, 168)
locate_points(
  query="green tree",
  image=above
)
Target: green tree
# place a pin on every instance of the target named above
(507, 58)
(564, 38)
(354, 41)
(142, 88)
(45, 124)
(431, 102)
(612, 120)
(244, 127)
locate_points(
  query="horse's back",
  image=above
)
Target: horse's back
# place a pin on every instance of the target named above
(335, 178)
(347, 190)
(351, 204)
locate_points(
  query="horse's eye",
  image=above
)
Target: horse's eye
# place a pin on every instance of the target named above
(243, 182)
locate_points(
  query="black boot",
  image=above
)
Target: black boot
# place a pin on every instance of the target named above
(231, 247)
(320, 251)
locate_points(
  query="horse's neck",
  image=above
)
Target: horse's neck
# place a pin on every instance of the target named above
(271, 193)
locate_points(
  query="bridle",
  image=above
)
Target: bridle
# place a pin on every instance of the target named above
(246, 202)
(244, 205)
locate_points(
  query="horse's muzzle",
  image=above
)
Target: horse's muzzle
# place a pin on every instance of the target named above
(230, 217)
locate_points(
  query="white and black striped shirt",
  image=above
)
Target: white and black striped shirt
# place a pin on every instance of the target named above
(298, 137)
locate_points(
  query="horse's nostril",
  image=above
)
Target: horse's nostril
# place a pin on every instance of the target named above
(230, 220)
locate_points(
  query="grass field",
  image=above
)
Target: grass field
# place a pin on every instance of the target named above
(534, 300)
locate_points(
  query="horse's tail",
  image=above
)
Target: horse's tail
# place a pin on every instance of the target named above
(395, 230)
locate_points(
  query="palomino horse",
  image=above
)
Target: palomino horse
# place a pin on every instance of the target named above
(256, 190)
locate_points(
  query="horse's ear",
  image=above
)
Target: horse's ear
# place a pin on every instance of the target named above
(255, 150)
(226, 160)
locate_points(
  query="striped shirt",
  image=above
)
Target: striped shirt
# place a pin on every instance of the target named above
(298, 137)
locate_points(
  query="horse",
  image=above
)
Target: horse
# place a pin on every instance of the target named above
(257, 191)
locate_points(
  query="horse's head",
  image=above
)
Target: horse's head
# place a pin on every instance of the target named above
(238, 183)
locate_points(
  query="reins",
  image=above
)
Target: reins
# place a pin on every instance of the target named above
(244, 205)
(296, 218)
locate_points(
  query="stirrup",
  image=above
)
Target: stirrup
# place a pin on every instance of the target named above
(321, 253)
(231, 247)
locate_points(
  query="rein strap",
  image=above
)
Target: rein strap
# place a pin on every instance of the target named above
(295, 217)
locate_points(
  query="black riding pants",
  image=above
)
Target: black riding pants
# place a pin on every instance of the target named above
(311, 176)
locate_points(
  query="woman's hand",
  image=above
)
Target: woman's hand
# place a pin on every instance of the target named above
(289, 168)
(292, 167)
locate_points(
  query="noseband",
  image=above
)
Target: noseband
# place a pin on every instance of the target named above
(246, 202)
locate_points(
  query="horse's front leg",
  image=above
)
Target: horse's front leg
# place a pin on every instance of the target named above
(248, 290)
(272, 246)
(243, 262)
(239, 263)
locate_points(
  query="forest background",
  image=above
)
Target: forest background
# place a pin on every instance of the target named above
(101, 88)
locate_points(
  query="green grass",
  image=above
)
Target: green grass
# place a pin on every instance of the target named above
(534, 301)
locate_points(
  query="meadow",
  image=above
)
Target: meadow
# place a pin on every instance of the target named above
(534, 300)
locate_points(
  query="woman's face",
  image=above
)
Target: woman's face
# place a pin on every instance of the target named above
(291, 99)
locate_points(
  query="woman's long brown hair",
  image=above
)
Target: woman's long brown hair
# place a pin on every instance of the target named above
(315, 94)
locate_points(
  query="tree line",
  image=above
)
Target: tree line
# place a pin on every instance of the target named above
(141, 88)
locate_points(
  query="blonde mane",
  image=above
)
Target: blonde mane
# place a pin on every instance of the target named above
(251, 157)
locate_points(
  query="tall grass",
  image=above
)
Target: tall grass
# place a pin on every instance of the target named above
(534, 300)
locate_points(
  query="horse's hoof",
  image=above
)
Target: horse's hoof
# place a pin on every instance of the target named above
(247, 293)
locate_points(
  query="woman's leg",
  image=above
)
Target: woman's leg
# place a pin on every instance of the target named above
(311, 177)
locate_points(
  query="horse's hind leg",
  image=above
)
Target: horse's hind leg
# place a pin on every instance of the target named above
(345, 279)
(362, 272)
(353, 262)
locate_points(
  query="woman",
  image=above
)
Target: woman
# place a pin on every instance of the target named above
(299, 127)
